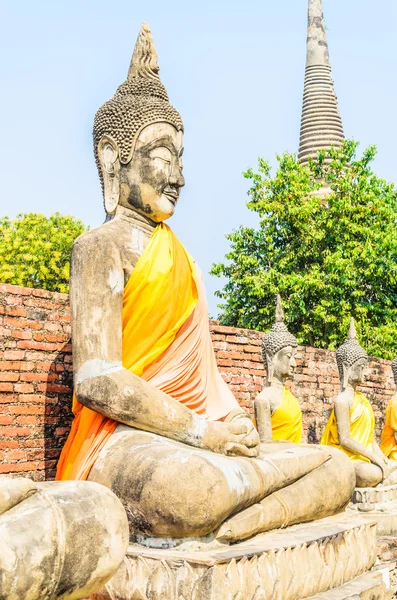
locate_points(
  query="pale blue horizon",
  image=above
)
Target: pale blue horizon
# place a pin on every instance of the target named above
(234, 71)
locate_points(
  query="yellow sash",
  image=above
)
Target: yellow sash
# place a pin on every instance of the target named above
(159, 297)
(287, 419)
(388, 443)
(362, 427)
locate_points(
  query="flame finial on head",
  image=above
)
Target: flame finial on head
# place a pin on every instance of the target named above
(144, 62)
(279, 310)
(352, 335)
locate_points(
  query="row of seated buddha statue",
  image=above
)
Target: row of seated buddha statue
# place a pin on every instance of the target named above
(154, 421)
(351, 425)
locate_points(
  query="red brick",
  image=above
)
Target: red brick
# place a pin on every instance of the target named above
(32, 345)
(15, 289)
(6, 387)
(22, 334)
(23, 388)
(37, 377)
(4, 420)
(14, 355)
(14, 431)
(15, 311)
(25, 420)
(8, 376)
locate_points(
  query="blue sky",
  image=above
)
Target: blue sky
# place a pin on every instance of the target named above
(233, 69)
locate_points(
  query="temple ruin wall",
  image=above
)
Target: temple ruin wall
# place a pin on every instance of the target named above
(36, 379)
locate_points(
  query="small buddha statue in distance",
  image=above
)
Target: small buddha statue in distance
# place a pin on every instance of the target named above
(351, 426)
(389, 434)
(278, 412)
(154, 420)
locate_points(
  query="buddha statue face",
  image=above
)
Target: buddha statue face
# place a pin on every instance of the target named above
(356, 374)
(151, 182)
(284, 363)
(352, 360)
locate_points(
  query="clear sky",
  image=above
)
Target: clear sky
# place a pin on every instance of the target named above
(233, 69)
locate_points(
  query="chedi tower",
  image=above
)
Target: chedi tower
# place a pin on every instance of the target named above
(321, 125)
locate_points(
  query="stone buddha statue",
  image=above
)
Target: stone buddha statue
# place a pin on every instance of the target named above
(351, 426)
(154, 420)
(57, 540)
(278, 412)
(389, 434)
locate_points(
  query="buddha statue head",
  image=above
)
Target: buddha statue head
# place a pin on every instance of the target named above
(394, 369)
(279, 349)
(138, 140)
(352, 360)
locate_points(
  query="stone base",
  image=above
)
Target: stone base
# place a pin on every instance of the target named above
(369, 586)
(290, 564)
(377, 504)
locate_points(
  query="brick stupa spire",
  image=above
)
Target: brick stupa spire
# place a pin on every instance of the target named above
(321, 125)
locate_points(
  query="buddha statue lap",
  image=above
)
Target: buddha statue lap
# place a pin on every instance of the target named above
(154, 420)
(278, 413)
(57, 540)
(351, 426)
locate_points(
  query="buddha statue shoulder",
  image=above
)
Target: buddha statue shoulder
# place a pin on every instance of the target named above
(351, 426)
(389, 434)
(154, 420)
(57, 540)
(277, 410)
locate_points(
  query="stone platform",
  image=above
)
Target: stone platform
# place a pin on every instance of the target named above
(369, 586)
(377, 504)
(291, 564)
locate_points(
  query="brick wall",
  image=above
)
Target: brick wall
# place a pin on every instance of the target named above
(36, 379)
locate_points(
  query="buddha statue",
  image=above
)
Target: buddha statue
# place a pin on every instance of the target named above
(351, 426)
(389, 434)
(154, 420)
(278, 412)
(57, 540)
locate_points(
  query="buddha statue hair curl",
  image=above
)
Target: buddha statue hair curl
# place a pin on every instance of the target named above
(278, 337)
(140, 101)
(350, 351)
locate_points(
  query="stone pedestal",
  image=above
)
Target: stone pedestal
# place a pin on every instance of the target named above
(377, 504)
(290, 564)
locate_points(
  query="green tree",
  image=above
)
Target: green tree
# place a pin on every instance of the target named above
(330, 259)
(35, 250)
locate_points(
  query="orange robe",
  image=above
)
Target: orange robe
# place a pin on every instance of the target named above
(388, 443)
(166, 341)
(287, 419)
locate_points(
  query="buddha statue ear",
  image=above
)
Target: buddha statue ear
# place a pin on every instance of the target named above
(269, 367)
(108, 155)
(345, 376)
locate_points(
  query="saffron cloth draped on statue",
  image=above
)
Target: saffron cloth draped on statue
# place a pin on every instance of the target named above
(362, 427)
(287, 419)
(388, 443)
(166, 341)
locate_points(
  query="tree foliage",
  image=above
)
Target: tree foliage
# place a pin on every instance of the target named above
(330, 259)
(35, 250)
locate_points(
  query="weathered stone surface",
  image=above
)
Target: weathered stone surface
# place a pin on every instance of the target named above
(290, 564)
(366, 587)
(377, 504)
(61, 540)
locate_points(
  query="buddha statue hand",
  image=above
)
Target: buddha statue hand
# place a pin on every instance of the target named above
(235, 436)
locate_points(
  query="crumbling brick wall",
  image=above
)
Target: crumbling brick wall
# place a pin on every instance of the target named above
(36, 379)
